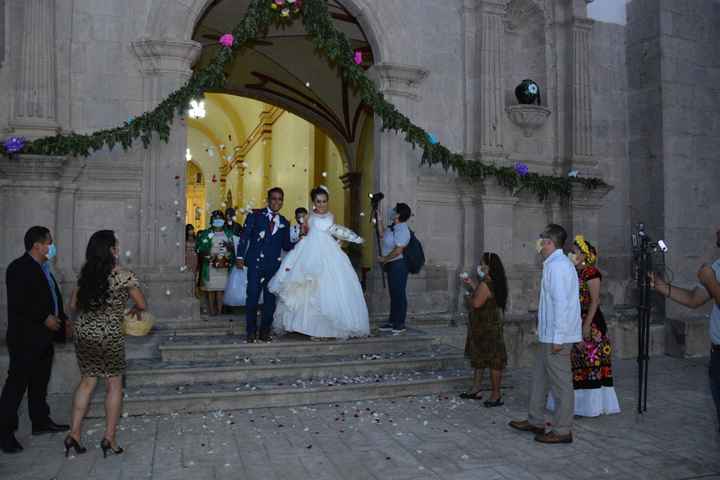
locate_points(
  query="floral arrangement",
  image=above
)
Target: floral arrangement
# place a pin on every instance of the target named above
(335, 45)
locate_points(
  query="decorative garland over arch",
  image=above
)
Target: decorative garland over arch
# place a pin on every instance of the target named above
(261, 14)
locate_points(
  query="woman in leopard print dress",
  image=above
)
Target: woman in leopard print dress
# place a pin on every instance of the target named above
(104, 289)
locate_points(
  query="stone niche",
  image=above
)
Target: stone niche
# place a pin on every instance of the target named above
(526, 57)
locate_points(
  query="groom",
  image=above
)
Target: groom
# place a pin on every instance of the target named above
(265, 235)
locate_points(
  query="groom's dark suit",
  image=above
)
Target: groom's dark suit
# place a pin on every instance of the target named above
(265, 236)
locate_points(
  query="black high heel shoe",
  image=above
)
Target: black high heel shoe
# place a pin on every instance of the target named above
(106, 445)
(70, 442)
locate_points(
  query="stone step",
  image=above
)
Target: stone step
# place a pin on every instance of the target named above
(229, 347)
(167, 400)
(293, 369)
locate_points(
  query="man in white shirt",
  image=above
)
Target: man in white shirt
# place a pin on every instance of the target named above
(559, 327)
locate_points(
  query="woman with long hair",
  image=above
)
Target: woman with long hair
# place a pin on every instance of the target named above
(101, 298)
(485, 344)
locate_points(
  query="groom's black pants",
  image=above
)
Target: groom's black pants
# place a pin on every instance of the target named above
(257, 284)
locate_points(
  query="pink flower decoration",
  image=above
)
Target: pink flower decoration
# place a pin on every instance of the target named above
(358, 57)
(280, 2)
(227, 40)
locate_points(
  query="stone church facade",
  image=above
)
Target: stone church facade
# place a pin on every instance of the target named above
(637, 105)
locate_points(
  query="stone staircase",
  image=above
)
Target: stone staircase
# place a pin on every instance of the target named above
(206, 366)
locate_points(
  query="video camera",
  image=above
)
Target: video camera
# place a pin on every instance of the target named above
(375, 199)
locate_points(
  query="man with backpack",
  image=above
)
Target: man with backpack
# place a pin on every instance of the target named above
(401, 254)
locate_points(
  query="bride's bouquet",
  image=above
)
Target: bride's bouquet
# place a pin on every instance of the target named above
(344, 233)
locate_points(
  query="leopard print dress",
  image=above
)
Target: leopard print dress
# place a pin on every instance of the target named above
(99, 341)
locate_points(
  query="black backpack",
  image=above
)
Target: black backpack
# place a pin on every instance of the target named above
(414, 254)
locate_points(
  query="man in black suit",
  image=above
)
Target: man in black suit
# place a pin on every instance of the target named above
(35, 315)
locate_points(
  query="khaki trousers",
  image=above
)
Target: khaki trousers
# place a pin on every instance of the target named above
(552, 372)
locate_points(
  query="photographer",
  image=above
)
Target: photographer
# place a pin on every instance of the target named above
(395, 237)
(709, 289)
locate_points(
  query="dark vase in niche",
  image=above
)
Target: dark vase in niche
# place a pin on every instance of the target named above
(528, 92)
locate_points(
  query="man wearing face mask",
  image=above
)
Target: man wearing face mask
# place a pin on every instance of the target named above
(35, 314)
(559, 328)
(395, 238)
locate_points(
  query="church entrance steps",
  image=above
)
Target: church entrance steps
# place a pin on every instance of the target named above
(256, 369)
(201, 397)
(206, 373)
(229, 347)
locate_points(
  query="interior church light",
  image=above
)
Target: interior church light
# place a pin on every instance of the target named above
(188, 155)
(197, 109)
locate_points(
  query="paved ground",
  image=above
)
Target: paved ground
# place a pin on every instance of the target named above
(411, 438)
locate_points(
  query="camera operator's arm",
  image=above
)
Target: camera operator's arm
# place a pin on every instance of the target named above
(694, 298)
(707, 278)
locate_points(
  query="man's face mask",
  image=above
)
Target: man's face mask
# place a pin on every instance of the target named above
(539, 244)
(218, 223)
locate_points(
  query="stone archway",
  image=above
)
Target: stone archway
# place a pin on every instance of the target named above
(166, 54)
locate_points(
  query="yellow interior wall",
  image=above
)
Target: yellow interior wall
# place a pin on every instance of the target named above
(291, 142)
(210, 165)
(365, 159)
(253, 191)
(293, 156)
(328, 170)
(195, 209)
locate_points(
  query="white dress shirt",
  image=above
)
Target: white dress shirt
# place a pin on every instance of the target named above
(559, 318)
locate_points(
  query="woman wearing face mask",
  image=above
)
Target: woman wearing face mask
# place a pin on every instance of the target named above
(485, 344)
(216, 248)
(101, 298)
(591, 358)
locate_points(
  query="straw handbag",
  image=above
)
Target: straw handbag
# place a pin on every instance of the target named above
(137, 328)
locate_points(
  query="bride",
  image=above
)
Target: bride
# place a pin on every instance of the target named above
(318, 291)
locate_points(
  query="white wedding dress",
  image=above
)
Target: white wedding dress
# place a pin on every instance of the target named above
(317, 289)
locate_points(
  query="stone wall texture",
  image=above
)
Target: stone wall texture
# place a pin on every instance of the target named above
(638, 105)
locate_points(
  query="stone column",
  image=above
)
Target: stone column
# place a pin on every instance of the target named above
(34, 108)
(399, 84)
(491, 30)
(580, 108)
(165, 66)
(585, 205)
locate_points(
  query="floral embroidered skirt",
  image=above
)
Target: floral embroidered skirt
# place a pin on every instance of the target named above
(592, 359)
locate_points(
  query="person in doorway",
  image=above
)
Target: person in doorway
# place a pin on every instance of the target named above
(559, 328)
(395, 238)
(35, 314)
(231, 222)
(265, 235)
(485, 344)
(216, 248)
(102, 295)
(708, 290)
(297, 231)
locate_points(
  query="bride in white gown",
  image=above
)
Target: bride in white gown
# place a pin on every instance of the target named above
(318, 291)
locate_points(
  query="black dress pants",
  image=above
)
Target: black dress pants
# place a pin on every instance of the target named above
(29, 370)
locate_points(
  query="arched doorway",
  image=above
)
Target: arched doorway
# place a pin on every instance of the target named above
(284, 71)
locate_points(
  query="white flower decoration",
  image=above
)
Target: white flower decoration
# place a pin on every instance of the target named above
(532, 88)
(261, 235)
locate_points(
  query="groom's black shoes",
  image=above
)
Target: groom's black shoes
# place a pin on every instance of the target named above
(265, 335)
(251, 338)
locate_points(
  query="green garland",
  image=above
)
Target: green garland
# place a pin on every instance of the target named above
(337, 48)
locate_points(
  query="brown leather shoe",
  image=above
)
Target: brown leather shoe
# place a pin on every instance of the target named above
(525, 426)
(553, 437)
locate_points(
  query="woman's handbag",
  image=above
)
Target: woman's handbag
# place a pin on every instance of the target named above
(137, 328)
